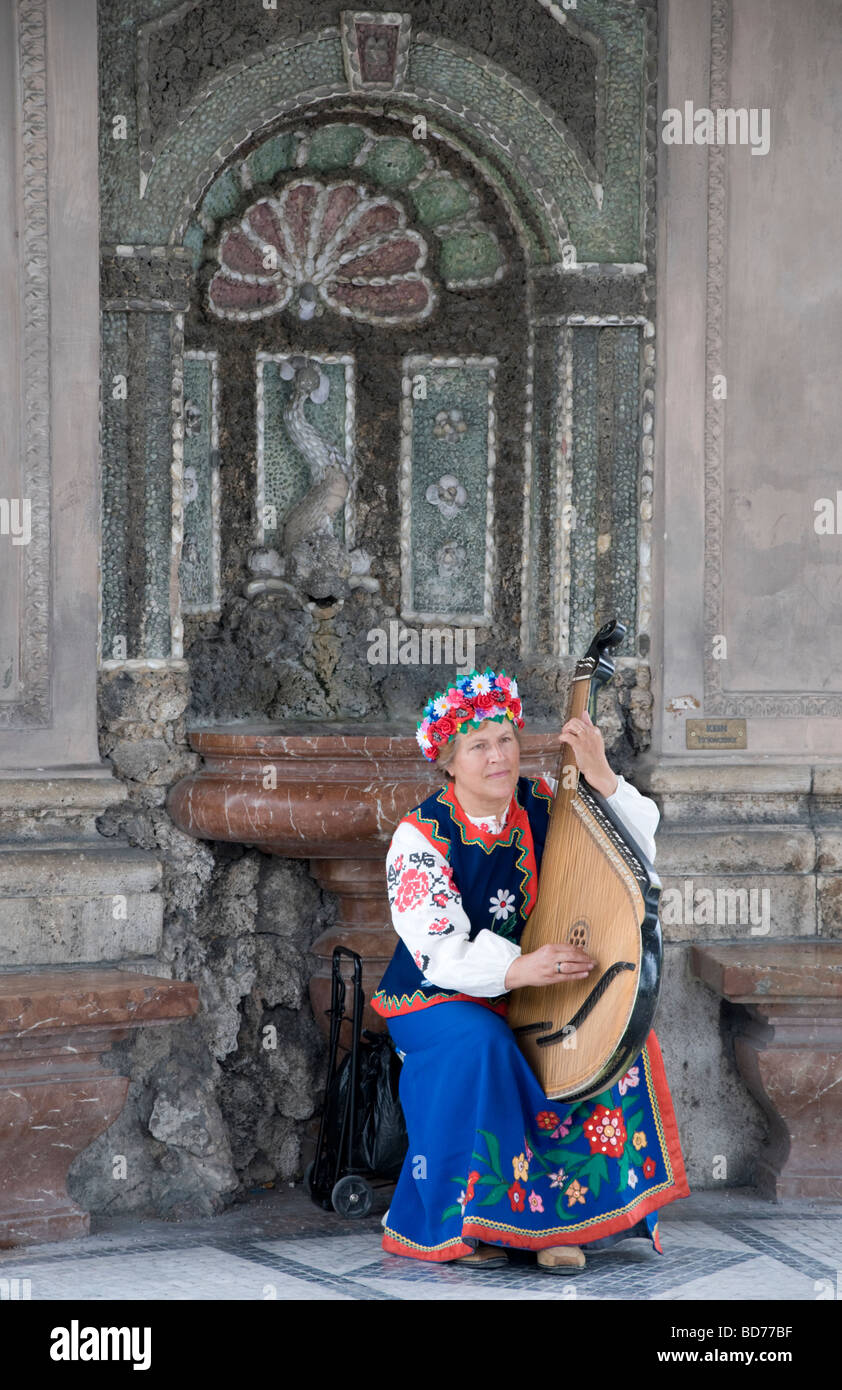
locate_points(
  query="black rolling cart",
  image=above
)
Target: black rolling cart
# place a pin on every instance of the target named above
(361, 1124)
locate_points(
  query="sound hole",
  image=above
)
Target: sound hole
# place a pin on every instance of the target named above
(578, 933)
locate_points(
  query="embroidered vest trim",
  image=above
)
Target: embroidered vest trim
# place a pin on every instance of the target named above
(447, 828)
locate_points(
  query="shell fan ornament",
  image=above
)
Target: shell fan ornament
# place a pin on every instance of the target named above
(316, 246)
(464, 706)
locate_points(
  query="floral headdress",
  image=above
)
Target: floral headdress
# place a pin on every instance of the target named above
(464, 705)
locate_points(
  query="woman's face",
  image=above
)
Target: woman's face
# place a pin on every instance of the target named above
(486, 764)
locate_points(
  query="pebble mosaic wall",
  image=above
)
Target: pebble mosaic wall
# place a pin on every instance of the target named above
(199, 571)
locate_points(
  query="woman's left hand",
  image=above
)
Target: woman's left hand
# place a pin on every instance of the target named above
(589, 751)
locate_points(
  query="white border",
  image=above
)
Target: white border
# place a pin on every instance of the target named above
(215, 605)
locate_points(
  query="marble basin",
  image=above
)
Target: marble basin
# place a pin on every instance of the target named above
(331, 793)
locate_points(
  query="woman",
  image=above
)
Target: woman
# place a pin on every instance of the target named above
(491, 1162)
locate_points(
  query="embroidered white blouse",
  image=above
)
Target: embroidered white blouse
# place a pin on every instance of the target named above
(477, 967)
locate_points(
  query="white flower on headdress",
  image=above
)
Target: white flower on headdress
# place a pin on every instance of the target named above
(513, 690)
(502, 903)
(440, 704)
(424, 740)
(480, 685)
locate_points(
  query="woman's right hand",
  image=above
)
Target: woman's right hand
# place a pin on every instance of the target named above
(541, 967)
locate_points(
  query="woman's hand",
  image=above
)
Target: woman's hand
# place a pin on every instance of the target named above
(589, 751)
(541, 967)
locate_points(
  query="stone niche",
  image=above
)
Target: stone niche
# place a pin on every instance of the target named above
(381, 287)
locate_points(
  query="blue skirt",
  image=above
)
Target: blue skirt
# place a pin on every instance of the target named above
(491, 1159)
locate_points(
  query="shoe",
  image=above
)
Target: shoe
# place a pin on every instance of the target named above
(484, 1257)
(561, 1257)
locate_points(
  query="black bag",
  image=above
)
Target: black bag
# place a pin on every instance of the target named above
(383, 1137)
(380, 1140)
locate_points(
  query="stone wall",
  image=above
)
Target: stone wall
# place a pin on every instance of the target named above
(219, 1104)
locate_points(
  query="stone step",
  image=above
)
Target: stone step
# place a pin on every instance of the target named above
(78, 902)
(56, 1097)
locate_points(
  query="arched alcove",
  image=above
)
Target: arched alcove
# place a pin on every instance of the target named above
(550, 350)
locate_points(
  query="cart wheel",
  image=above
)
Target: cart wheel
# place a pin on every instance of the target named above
(352, 1196)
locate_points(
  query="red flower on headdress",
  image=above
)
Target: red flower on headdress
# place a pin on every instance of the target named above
(482, 696)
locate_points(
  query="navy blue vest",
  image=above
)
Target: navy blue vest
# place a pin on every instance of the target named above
(495, 875)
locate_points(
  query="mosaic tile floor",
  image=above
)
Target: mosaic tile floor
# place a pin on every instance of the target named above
(718, 1246)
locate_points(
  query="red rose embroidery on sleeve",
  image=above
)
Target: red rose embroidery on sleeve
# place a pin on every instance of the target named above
(411, 889)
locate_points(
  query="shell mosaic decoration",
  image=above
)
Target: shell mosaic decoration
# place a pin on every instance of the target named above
(464, 705)
(318, 246)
